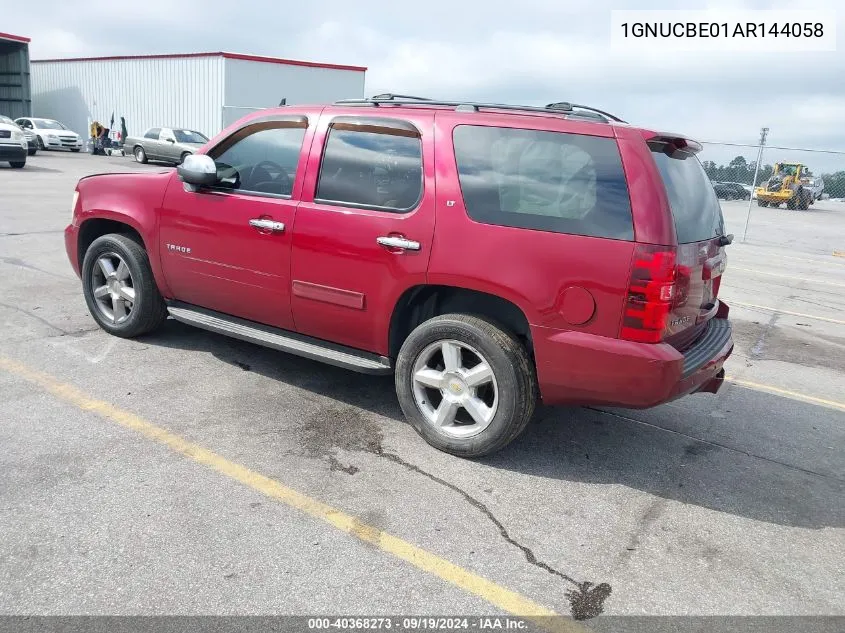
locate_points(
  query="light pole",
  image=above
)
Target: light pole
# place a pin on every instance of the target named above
(763, 132)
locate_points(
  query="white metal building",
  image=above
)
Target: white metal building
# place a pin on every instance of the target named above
(201, 91)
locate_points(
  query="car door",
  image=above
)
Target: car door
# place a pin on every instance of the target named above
(150, 143)
(364, 227)
(227, 247)
(167, 145)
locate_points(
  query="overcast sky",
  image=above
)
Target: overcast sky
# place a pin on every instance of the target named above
(524, 51)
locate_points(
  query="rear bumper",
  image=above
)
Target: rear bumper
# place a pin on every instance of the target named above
(12, 152)
(578, 368)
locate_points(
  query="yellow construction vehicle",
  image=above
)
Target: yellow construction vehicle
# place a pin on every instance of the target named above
(786, 186)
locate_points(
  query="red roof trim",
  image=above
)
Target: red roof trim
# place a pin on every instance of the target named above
(253, 58)
(14, 38)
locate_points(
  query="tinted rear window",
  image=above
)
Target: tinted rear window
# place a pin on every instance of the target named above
(547, 181)
(695, 207)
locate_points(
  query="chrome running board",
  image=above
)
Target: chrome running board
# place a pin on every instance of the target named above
(281, 340)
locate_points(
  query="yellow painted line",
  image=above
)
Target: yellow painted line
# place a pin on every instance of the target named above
(798, 314)
(763, 272)
(794, 395)
(497, 595)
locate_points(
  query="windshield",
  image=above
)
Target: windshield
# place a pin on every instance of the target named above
(48, 124)
(695, 207)
(189, 136)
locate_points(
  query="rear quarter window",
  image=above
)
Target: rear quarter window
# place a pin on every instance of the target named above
(695, 207)
(546, 181)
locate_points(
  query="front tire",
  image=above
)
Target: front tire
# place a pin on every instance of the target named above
(140, 155)
(40, 143)
(31, 152)
(465, 385)
(75, 150)
(182, 157)
(119, 287)
(18, 164)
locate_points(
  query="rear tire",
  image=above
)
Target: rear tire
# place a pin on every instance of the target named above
(17, 164)
(31, 152)
(455, 364)
(119, 287)
(140, 155)
(182, 157)
(40, 143)
(762, 203)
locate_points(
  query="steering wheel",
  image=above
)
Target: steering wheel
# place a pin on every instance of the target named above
(282, 181)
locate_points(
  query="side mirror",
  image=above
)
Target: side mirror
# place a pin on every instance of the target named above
(198, 170)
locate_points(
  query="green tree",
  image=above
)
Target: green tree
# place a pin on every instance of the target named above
(834, 184)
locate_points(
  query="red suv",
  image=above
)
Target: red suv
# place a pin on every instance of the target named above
(485, 254)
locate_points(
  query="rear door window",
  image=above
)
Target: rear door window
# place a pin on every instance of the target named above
(695, 208)
(372, 164)
(546, 181)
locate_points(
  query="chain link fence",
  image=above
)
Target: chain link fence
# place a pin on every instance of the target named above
(736, 163)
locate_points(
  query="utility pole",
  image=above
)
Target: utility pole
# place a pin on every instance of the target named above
(763, 132)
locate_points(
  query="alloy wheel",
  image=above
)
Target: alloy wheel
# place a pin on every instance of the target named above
(113, 288)
(455, 388)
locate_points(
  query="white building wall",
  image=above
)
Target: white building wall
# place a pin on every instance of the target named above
(252, 85)
(155, 92)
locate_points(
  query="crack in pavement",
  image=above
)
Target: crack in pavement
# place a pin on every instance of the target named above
(62, 331)
(719, 445)
(32, 233)
(14, 261)
(345, 428)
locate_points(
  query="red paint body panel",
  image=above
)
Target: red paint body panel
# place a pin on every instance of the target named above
(653, 223)
(336, 247)
(577, 368)
(231, 267)
(336, 296)
(133, 199)
(531, 269)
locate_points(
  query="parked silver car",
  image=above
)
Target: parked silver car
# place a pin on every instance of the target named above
(816, 185)
(166, 144)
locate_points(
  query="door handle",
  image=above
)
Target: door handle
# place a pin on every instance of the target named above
(267, 225)
(399, 242)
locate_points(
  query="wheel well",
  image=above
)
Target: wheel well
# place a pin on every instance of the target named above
(421, 303)
(92, 229)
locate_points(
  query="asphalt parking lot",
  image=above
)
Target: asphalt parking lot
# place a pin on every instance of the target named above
(188, 473)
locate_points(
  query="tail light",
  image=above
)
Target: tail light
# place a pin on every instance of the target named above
(651, 293)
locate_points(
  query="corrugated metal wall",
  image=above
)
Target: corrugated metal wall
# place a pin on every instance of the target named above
(254, 84)
(15, 98)
(186, 92)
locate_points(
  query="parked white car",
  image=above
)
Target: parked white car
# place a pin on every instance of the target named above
(51, 134)
(13, 146)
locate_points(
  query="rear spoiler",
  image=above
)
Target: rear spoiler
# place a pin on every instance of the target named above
(672, 142)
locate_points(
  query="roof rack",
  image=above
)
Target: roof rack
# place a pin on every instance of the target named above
(562, 107)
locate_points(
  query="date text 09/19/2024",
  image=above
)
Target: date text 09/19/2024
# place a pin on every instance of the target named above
(419, 623)
(722, 29)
